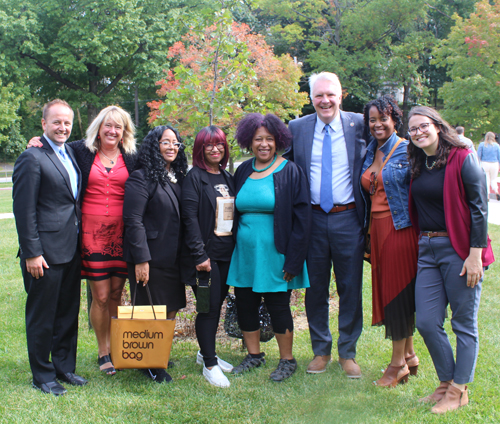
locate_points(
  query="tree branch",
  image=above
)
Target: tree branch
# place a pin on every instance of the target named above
(56, 75)
(437, 10)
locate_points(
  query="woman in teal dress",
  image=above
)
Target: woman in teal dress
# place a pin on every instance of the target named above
(272, 222)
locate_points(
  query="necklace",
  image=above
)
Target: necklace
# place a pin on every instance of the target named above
(431, 166)
(112, 161)
(171, 176)
(267, 167)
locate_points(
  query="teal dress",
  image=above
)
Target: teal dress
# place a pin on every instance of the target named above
(256, 263)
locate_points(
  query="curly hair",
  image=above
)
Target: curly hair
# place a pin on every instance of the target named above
(448, 138)
(118, 115)
(386, 105)
(214, 135)
(253, 121)
(152, 161)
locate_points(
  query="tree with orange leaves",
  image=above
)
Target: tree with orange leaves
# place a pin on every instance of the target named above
(223, 72)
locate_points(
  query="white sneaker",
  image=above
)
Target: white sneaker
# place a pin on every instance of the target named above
(224, 366)
(215, 376)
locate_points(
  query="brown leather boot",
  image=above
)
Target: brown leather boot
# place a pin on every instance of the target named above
(350, 367)
(438, 393)
(453, 399)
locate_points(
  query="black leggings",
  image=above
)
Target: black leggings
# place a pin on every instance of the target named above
(278, 305)
(206, 324)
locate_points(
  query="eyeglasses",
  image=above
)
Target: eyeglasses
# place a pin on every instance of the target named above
(209, 147)
(373, 183)
(170, 144)
(422, 127)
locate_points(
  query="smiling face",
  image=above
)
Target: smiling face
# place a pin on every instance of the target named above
(169, 152)
(428, 140)
(263, 145)
(381, 126)
(110, 133)
(326, 98)
(58, 123)
(214, 153)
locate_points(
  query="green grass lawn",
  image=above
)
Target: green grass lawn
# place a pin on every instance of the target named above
(5, 198)
(128, 397)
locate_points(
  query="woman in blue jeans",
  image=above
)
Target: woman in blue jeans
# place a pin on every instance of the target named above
(448, 209)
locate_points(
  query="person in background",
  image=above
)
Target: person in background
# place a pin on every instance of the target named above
(206, 187)
(449, 211)
(273, 223)
(393, 242)
(488, 154)
(467, 141)
(153, 230)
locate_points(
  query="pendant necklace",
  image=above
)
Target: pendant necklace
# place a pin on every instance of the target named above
(431, 166)
(112, 161)
(267, 167)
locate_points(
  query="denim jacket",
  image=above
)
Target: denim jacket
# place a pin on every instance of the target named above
(396, 178)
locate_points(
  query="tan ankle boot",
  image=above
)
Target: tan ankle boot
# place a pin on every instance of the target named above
(453, 399)
(438, 393)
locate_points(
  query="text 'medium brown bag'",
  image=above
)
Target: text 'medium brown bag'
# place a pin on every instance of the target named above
(141, 342)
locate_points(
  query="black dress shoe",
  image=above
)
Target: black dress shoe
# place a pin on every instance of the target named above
(71, 378)
(51, 387)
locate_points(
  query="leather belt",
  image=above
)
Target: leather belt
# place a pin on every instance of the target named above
(335, 209)
(431, 234)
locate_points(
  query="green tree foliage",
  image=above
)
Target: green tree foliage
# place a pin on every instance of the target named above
(11, 141)
(223, 72)
(86, 51)
(471, 56)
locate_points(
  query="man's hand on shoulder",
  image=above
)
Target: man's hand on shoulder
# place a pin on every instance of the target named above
(36, 265)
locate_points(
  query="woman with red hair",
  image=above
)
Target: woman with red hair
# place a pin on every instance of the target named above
(207, 188)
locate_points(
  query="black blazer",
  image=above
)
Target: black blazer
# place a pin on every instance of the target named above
(47, 215)
(198, 216)
(151, 214)
(292, 212)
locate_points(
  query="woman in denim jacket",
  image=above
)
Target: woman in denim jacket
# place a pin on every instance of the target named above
(393, 242)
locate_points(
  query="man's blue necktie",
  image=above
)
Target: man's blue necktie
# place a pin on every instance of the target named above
(66, 161)
(326, 194)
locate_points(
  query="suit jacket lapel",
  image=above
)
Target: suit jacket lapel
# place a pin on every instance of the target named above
(55, 160)
(350, 140)
(308, 137)
(172, 196)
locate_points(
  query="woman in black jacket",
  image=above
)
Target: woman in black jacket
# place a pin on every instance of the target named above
(151, 214)
(273, 223)
(207, 187)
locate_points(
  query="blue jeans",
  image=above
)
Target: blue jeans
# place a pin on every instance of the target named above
(439, 284)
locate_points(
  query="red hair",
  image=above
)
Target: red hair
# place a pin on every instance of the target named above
(212, 135)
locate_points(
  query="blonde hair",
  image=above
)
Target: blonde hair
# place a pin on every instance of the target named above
(489, 138)
(329, 76)
(120, 116)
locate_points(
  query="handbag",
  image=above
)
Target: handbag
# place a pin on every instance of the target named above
(232, 328)
(203, 292)
(368, 246)
(141, 342)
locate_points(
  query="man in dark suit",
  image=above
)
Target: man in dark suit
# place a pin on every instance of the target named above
(46, 194)
(330, 146)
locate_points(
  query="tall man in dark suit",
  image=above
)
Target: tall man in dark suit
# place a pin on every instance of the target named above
(46, 194)
(330, 146)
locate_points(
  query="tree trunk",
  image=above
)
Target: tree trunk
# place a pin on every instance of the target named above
(231, 165)
(406, 95)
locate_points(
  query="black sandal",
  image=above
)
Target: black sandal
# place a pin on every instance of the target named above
(104, 359)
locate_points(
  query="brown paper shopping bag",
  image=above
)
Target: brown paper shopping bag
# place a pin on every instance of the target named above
(141, 342)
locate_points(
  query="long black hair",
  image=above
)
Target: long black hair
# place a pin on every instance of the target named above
(152, 161)
(448, 138)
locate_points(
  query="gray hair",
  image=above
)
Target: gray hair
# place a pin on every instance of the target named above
(329, 76)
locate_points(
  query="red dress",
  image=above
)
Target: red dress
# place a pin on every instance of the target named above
(102, 222)
(394, 255)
